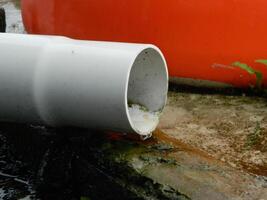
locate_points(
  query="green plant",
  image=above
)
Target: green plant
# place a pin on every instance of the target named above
(250, 70)
(262, 61)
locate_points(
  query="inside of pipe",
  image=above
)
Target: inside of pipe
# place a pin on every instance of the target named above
(147, 91)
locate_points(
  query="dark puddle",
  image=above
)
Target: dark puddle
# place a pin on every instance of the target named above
(57, 163)
(72, 164)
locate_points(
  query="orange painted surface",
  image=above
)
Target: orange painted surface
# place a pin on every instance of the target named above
(200, 39)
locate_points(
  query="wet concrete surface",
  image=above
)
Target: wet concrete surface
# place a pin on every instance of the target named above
(70, 164)
(74, 163)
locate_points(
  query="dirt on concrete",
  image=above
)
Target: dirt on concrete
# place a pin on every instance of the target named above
(232, 129)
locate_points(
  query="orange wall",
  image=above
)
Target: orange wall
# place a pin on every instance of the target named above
(200, 39)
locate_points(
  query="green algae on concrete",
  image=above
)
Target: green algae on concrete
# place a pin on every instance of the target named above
(188, 172)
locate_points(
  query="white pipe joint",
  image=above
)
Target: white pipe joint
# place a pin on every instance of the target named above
(57, 81)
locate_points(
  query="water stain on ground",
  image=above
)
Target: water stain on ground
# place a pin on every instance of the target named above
(70, 163)
(188, 169)
(230, 128)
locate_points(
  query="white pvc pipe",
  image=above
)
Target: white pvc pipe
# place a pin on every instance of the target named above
(58, 81)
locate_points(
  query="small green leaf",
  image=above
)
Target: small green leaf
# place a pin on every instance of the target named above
(250, 70)
(244, 67)
(259, 78)
(262, 61)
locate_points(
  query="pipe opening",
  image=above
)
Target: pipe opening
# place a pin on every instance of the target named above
(147, 91)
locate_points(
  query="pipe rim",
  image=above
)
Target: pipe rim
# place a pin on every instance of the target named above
(152, 127)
